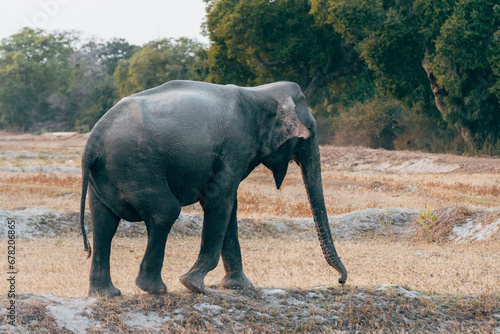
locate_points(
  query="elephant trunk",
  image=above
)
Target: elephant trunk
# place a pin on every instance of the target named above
(309, 161)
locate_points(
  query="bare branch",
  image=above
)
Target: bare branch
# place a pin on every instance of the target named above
(321, 80)
(269, 64)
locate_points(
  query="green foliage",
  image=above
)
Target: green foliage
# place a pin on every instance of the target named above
(379, 122)
(388, 39)
(115, 50)
(99, 100)
(34, 71)
(457, 39)
(343, 93)
(92, 91)
(426, 134)
(259, 41)
(462, 63)
(158, 62)
(57, 81)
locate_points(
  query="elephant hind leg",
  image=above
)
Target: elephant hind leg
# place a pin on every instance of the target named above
(159, 215)
(235, 278)
(105, 224)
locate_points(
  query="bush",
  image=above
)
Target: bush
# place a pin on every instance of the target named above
(324, 131)
(375, 124)
(385, 123)
(423, 133)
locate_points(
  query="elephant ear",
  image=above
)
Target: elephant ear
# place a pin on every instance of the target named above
(287, 125)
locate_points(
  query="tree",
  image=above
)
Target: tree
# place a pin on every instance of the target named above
(34, 71)
(258, 41)
(59, 81)
(92, 91)
(115, 50)
(462, 64)
(158, 62)
(426, 52)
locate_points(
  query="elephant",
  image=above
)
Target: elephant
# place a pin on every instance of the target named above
(188, 142)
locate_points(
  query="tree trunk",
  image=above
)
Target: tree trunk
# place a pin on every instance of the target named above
(439, 93)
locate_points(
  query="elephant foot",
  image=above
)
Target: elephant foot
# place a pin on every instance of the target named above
(107, 291)
(194, 282)
(152, 286)
(236, 282)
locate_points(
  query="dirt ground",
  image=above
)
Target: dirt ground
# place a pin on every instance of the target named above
(341, 158)
(332, 158)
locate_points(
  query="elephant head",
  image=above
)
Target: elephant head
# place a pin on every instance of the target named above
(292, 136)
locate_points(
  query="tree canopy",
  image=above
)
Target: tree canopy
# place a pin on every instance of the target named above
(34, 68)
(61, 81)
(436, 54)
(258, 41)
(158, 62)
(92, 91)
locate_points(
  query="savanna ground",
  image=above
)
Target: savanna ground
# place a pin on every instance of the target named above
(421, 281)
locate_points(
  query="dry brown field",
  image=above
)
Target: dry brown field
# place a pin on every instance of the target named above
(465, 276)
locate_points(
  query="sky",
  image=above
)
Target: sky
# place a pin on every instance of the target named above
(136, 21)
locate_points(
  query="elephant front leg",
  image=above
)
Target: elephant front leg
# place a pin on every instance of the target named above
(235, 278)
(216, 219)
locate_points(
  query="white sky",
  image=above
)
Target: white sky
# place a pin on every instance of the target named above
(137, 21)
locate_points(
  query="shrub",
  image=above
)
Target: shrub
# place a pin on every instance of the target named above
(426, 222)
(375, 124)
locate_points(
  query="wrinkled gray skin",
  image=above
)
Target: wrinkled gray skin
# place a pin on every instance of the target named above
(186, 142)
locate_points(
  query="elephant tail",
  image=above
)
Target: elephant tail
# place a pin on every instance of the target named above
(87, 161)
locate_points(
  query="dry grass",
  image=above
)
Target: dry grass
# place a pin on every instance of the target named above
(476, 182)
(333, 310)
(346, 192)
(58, 266)
(455, 297)
(347, 310)
(258, 197)
(48, 190)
